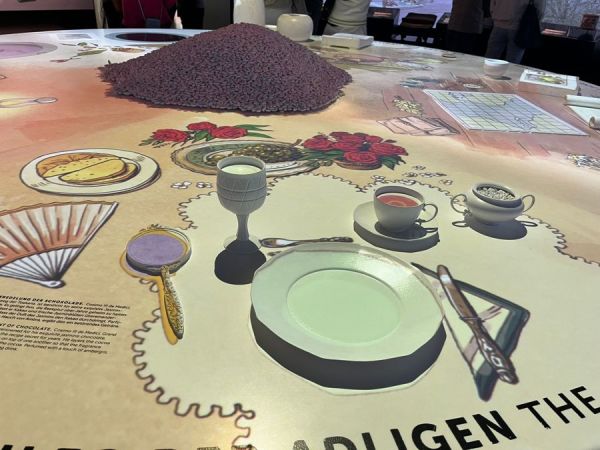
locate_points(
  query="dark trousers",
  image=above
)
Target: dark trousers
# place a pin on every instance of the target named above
(463, 42)
(114, 18)
(314, 11)
(192, 17)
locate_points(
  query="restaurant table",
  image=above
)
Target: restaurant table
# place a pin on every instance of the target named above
(86, 363)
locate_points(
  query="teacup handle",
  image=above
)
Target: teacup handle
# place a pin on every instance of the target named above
(454, 207)
(532, 201)
(425, 205)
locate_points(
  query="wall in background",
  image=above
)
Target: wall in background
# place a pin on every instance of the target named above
(569, 12)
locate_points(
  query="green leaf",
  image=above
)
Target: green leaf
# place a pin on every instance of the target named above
(200, 136)
(259, 135)
(251, 127)
(335, 153)
(390, 164)
(209, 137)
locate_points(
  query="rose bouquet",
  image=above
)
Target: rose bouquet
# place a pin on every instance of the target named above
(203, 131)
(353, 150)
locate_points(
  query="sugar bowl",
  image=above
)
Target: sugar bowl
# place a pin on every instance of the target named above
(493, 203)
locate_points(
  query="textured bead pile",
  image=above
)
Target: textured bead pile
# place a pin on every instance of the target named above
(495, 193)
(240, 67)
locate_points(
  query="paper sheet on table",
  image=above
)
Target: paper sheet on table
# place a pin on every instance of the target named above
(581, 100)
(586, 114)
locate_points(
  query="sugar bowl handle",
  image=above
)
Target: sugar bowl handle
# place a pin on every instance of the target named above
(532, 201)
(454, 207)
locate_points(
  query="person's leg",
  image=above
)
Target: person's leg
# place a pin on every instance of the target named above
(514, 53)
(497, 43)
(452, 41)
(112, 16)
(331, 29)
(314, 11)
(462, 42)
(191, 13)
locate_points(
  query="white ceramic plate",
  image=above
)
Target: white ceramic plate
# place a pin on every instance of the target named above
(346, 316)
(148, 172)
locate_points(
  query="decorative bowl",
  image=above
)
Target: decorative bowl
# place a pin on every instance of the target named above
(495, 67)
(493, 203)
(297, 27)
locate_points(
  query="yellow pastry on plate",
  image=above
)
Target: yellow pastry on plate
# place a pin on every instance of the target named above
(65, 167)
(101, 171)
(130, 170)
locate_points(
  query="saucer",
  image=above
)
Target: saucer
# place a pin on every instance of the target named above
(414, 239)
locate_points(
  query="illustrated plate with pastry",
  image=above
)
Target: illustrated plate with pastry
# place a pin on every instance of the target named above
(99, 171)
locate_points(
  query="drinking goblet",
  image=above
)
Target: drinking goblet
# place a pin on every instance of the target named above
(241, 188)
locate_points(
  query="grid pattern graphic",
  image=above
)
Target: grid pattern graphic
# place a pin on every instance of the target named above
(499, 112)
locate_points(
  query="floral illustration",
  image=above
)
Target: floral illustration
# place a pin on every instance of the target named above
(353, 150)
(91, 48)
(203, 131)
(409, 106)
(83, 49)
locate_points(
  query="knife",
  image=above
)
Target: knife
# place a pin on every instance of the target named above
(488, 347)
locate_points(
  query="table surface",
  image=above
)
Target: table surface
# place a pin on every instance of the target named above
(432, 123)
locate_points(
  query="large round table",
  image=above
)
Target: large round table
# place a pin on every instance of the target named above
(85, 361)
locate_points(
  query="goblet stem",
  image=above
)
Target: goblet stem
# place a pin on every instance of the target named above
(242, 232)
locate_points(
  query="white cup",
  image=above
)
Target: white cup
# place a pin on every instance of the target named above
(297, 27)
(495, 68)
(402, 214)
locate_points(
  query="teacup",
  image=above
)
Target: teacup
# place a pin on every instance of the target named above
(398, 208)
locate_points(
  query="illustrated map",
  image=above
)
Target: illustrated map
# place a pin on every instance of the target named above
(499, 112)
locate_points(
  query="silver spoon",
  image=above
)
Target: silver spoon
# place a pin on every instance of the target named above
(281, 242)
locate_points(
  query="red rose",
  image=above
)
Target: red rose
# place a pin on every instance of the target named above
(346, 146)
(317, 143)
(228, 132)
(385, 149)
(354, 138)
(339, 134)
(201, 126)
(170, 135)
(361, 157)
(373, 139)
